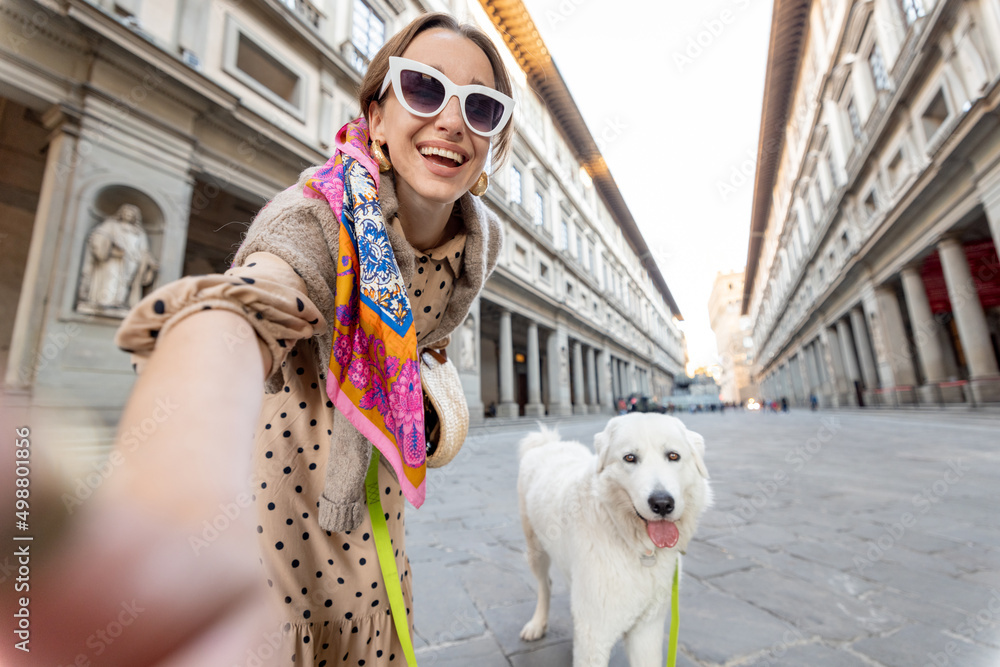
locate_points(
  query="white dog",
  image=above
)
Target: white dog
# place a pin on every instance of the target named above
(615, 523)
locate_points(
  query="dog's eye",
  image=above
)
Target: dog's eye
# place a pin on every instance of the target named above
(674, 456)
(629, 458)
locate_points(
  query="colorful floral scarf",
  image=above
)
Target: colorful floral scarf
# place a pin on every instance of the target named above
(374, 377)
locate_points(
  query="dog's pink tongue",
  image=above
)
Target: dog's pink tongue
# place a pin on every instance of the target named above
(663, 533)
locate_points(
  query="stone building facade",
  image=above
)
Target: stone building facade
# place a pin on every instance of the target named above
(872, 272)
(732, 337)
(139, 138)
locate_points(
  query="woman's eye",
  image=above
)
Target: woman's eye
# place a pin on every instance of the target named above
(674, 456)
(629, 458)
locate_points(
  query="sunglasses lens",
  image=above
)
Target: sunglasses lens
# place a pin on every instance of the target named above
(421, 91)
(484, 112)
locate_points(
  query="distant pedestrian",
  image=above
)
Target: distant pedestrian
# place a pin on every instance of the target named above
(784, 404)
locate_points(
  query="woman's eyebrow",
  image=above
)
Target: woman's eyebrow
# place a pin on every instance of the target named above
(475, 81)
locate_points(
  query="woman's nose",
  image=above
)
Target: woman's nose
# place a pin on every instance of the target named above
(451, 118)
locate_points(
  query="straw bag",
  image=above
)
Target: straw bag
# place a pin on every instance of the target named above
(446, 414)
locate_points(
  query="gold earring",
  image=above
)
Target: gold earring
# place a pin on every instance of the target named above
(383, 162)
(480, 186)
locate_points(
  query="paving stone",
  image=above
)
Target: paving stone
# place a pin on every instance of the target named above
(443, 611)
(806, 655)
(506, 622)
(934, 588)
(490, 585)
(704, 560)
(479, 651)
(924, 645)
(811, 571)
(552, 655)
(816, 610)
(716, 627)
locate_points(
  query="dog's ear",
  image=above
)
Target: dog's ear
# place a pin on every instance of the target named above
(698, 447)
(602, 445)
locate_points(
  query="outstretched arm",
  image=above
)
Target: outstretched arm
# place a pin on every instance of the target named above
(134, 580)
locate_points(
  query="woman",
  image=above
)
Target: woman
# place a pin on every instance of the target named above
(314, 265)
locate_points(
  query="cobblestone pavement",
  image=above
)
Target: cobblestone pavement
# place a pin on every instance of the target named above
(837, 539)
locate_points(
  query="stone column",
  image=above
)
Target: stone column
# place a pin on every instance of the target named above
(984, 376)
(604, 392)
(925, 328)
(897, 345)
(989, 192)
(28, 321)
(465, 354)
(867, 361)
(835, 364)
(800, 383)
(579, 402)
(591, 382)
(508, 407)
(559, 397)
(534, 406)
(876, 336)
(808, 354)
(851, 372)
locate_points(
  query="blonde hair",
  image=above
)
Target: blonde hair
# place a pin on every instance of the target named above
(398, 43)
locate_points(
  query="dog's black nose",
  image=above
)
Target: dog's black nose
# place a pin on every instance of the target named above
(661, 503)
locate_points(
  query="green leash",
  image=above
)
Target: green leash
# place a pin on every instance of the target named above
(387, 560)
(675, 617)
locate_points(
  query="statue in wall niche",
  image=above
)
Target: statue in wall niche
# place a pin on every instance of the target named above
(467, 335)
(117, 264)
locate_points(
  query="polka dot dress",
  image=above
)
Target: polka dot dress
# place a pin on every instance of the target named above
(330, 584)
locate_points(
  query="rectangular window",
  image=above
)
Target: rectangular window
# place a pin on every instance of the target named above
(590, 257)
(539, 209)
(515, 185)
(563, 235)
(258, 67)
(879, 74)
(934, 115)
(367, 35)
(852, 112)
(912, 10)
(579, 245)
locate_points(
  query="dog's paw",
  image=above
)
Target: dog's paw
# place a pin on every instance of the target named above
(532, 630)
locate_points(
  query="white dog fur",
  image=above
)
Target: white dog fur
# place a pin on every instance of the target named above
(588, 512)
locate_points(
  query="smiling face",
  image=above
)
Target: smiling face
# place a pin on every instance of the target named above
(437, 158)
(653, 476)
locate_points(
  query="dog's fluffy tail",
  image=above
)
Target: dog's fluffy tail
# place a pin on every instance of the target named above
(542, 437)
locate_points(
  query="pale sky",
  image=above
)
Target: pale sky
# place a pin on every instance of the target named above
(672, 92)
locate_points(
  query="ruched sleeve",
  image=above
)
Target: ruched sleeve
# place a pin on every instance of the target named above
(264, 290)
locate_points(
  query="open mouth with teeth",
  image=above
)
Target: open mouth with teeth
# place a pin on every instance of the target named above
(442, 156)
(664, 533)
